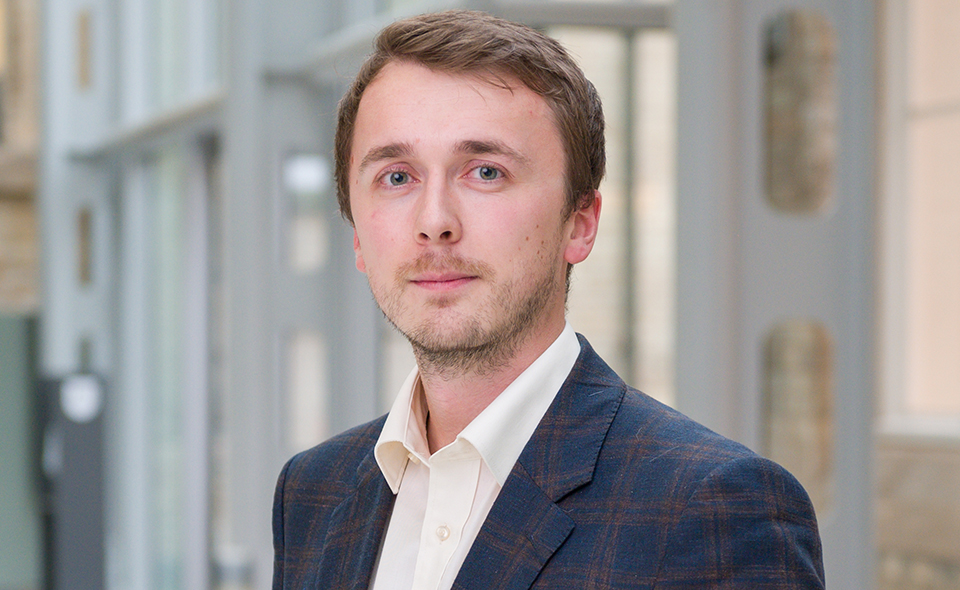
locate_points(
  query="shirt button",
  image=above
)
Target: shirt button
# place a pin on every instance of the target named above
(443, 533)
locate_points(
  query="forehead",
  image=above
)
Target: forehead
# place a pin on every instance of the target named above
(406, 96)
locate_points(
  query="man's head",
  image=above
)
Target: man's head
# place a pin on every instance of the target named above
(468, 179)
(499, 51)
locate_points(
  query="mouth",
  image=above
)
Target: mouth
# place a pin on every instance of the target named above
(443, 274)
(441, 282)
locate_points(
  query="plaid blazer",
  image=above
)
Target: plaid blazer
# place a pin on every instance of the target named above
(613, 490)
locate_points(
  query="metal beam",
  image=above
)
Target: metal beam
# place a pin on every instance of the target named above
(184, 120)
(335, 57)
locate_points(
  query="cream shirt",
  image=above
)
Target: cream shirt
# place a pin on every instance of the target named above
(443, 499)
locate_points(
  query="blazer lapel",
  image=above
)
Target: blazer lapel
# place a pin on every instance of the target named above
(355, 532)
(526, 526)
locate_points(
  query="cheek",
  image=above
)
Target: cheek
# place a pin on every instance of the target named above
(536, 242)
(378, 245)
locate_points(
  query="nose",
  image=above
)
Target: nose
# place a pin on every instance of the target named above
(438, 216)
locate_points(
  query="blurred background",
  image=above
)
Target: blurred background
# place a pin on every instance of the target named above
(179, 310)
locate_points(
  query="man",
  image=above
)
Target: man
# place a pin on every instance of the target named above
(468, 155)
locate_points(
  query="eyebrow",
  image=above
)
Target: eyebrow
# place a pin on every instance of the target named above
(385, 152)
(469, 147)
(493, 147)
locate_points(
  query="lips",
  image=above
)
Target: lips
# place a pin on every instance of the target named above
(442, 281)
(443, 273)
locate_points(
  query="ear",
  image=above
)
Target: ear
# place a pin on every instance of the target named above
(582, 231)
(361, 265)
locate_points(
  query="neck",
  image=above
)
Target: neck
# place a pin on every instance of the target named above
(456, 393)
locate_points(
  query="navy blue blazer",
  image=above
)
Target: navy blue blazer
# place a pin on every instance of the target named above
(613, 490)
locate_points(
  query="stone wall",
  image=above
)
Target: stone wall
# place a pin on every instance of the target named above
(19, 257)
(19, 136)
(918, 513)
(20, 76)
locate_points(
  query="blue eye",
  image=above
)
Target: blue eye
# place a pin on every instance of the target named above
(398, 178)
(488, 173)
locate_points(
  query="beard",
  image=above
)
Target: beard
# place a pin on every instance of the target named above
(448, 342)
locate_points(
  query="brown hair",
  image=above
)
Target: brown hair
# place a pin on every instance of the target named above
(469, 42)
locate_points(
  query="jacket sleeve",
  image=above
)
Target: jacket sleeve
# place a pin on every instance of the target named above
(278, 540)
(749, 524)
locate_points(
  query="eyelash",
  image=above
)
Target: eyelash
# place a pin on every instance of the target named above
(385, 177)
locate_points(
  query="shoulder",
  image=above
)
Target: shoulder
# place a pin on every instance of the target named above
(691, 464)
(722, 511)
(651, 451)
(310, 487)
(331, 466)
(652, 432)
(314, 482)
(643, 431)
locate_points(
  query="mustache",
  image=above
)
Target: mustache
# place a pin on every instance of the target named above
(446, 262)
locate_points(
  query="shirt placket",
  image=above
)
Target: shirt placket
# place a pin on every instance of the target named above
(454, 472)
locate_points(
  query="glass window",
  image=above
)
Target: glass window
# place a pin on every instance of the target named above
(602, 286)
(918, 457)
(306, 390)
(166, 407)
(307, 181)
(171, 53)
(157, 533)
(622, 296)
(922, 211)
(654, 214)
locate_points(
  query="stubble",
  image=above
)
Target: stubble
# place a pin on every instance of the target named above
(450, 344)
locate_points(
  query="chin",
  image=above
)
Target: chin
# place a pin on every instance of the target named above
(446, 336)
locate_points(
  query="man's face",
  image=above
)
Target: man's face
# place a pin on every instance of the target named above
(457, 192)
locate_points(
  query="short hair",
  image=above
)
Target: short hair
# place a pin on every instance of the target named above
(497, 50)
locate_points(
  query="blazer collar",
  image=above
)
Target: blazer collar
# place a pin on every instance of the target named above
(526, 526)
(562, 453)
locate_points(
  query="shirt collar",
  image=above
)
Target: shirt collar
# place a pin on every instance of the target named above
(403, 432)
(501, 430)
